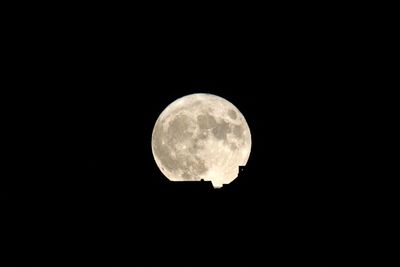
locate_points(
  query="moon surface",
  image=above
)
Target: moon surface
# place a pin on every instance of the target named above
(201, 137)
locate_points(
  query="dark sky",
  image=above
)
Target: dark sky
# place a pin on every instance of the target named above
(85, 176)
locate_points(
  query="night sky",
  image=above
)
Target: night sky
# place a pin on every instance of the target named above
(84, 180)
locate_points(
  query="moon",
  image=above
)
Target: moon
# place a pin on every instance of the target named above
(201, 137)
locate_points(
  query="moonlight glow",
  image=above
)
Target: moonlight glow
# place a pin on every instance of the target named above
(201, 136)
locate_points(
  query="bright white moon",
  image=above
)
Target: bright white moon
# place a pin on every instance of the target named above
(201, 136)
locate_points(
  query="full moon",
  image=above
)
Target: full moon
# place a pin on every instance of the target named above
(201, 137)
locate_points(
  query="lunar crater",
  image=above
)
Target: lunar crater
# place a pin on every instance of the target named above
(220, 130)
(238, 131)
(206, 121)
(232, 114)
